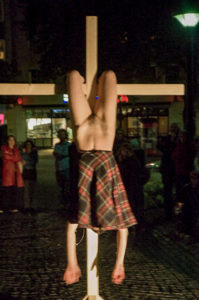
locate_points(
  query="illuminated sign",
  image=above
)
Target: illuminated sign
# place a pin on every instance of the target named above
(2, 118)
(122, 98)
(19, 101)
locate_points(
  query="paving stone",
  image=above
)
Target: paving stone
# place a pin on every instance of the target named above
(32, 262)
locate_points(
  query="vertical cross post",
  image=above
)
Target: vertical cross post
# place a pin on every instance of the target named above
(92, 237)
(91, 51)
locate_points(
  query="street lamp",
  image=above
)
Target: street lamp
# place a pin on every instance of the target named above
(190, 21)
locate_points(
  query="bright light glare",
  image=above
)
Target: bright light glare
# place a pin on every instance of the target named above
(34, 122)
(150, 164)
(65, 98)
(188, 20)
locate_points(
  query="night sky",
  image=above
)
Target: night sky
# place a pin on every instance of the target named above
(131, 32)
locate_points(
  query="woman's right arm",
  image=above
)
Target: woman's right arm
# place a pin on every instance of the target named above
(6, 155)
(9, 155)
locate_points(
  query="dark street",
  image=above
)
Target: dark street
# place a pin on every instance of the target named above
(32, 254)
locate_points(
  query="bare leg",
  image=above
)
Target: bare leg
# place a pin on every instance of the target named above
(72, 272)
(79, 105)
(118, 274)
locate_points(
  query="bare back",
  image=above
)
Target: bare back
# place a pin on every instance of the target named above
(94, 134)
(94, 127)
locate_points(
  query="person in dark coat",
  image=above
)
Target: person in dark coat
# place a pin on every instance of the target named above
(189, 204)
(62, 166)
(166, 146)
(118, 141)
(183, 157)
(30, 158)
(131, 172)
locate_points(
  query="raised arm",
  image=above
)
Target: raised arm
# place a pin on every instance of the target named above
(79, 105)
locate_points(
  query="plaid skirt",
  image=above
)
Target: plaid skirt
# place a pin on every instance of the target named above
(102, 199)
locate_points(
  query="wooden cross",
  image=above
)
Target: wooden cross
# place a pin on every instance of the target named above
(123, 89)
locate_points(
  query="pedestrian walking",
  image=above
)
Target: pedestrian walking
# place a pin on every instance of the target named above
(12, 180)
(61, 154)
(29, 156)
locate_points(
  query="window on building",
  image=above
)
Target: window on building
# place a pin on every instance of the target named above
(1, 11)
(44, 123)
(2, 50)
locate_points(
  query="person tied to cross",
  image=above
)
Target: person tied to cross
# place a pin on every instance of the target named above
(102, 199)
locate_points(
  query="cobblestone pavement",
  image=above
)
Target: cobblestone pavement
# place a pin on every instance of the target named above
(32, 255)
(32, 262)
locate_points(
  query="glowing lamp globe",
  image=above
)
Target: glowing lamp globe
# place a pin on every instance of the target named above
(188, 19)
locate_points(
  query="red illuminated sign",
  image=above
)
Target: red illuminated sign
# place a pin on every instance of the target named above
(19, 100)
(2, 118)
(122, 98)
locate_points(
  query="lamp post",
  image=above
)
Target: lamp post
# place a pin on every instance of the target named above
(190, 21)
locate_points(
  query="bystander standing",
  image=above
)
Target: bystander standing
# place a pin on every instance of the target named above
(131, 173)
(29, 159)
(61, 154)
(166, 146)
(188, 208)
(183, 158)
(12, 180)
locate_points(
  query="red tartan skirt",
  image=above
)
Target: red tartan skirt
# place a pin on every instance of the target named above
(102, 198)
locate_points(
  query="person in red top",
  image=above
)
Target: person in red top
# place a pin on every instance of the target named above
(12, 180)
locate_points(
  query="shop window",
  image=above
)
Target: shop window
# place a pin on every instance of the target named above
(38, 128)
(43, 125)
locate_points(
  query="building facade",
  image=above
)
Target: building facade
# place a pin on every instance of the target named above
(39, 117)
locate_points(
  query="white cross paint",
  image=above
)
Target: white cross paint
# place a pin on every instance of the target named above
(123, 89)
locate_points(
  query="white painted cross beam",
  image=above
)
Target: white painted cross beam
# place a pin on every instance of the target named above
(9, 89)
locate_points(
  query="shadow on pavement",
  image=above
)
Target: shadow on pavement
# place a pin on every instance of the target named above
(8, 297)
